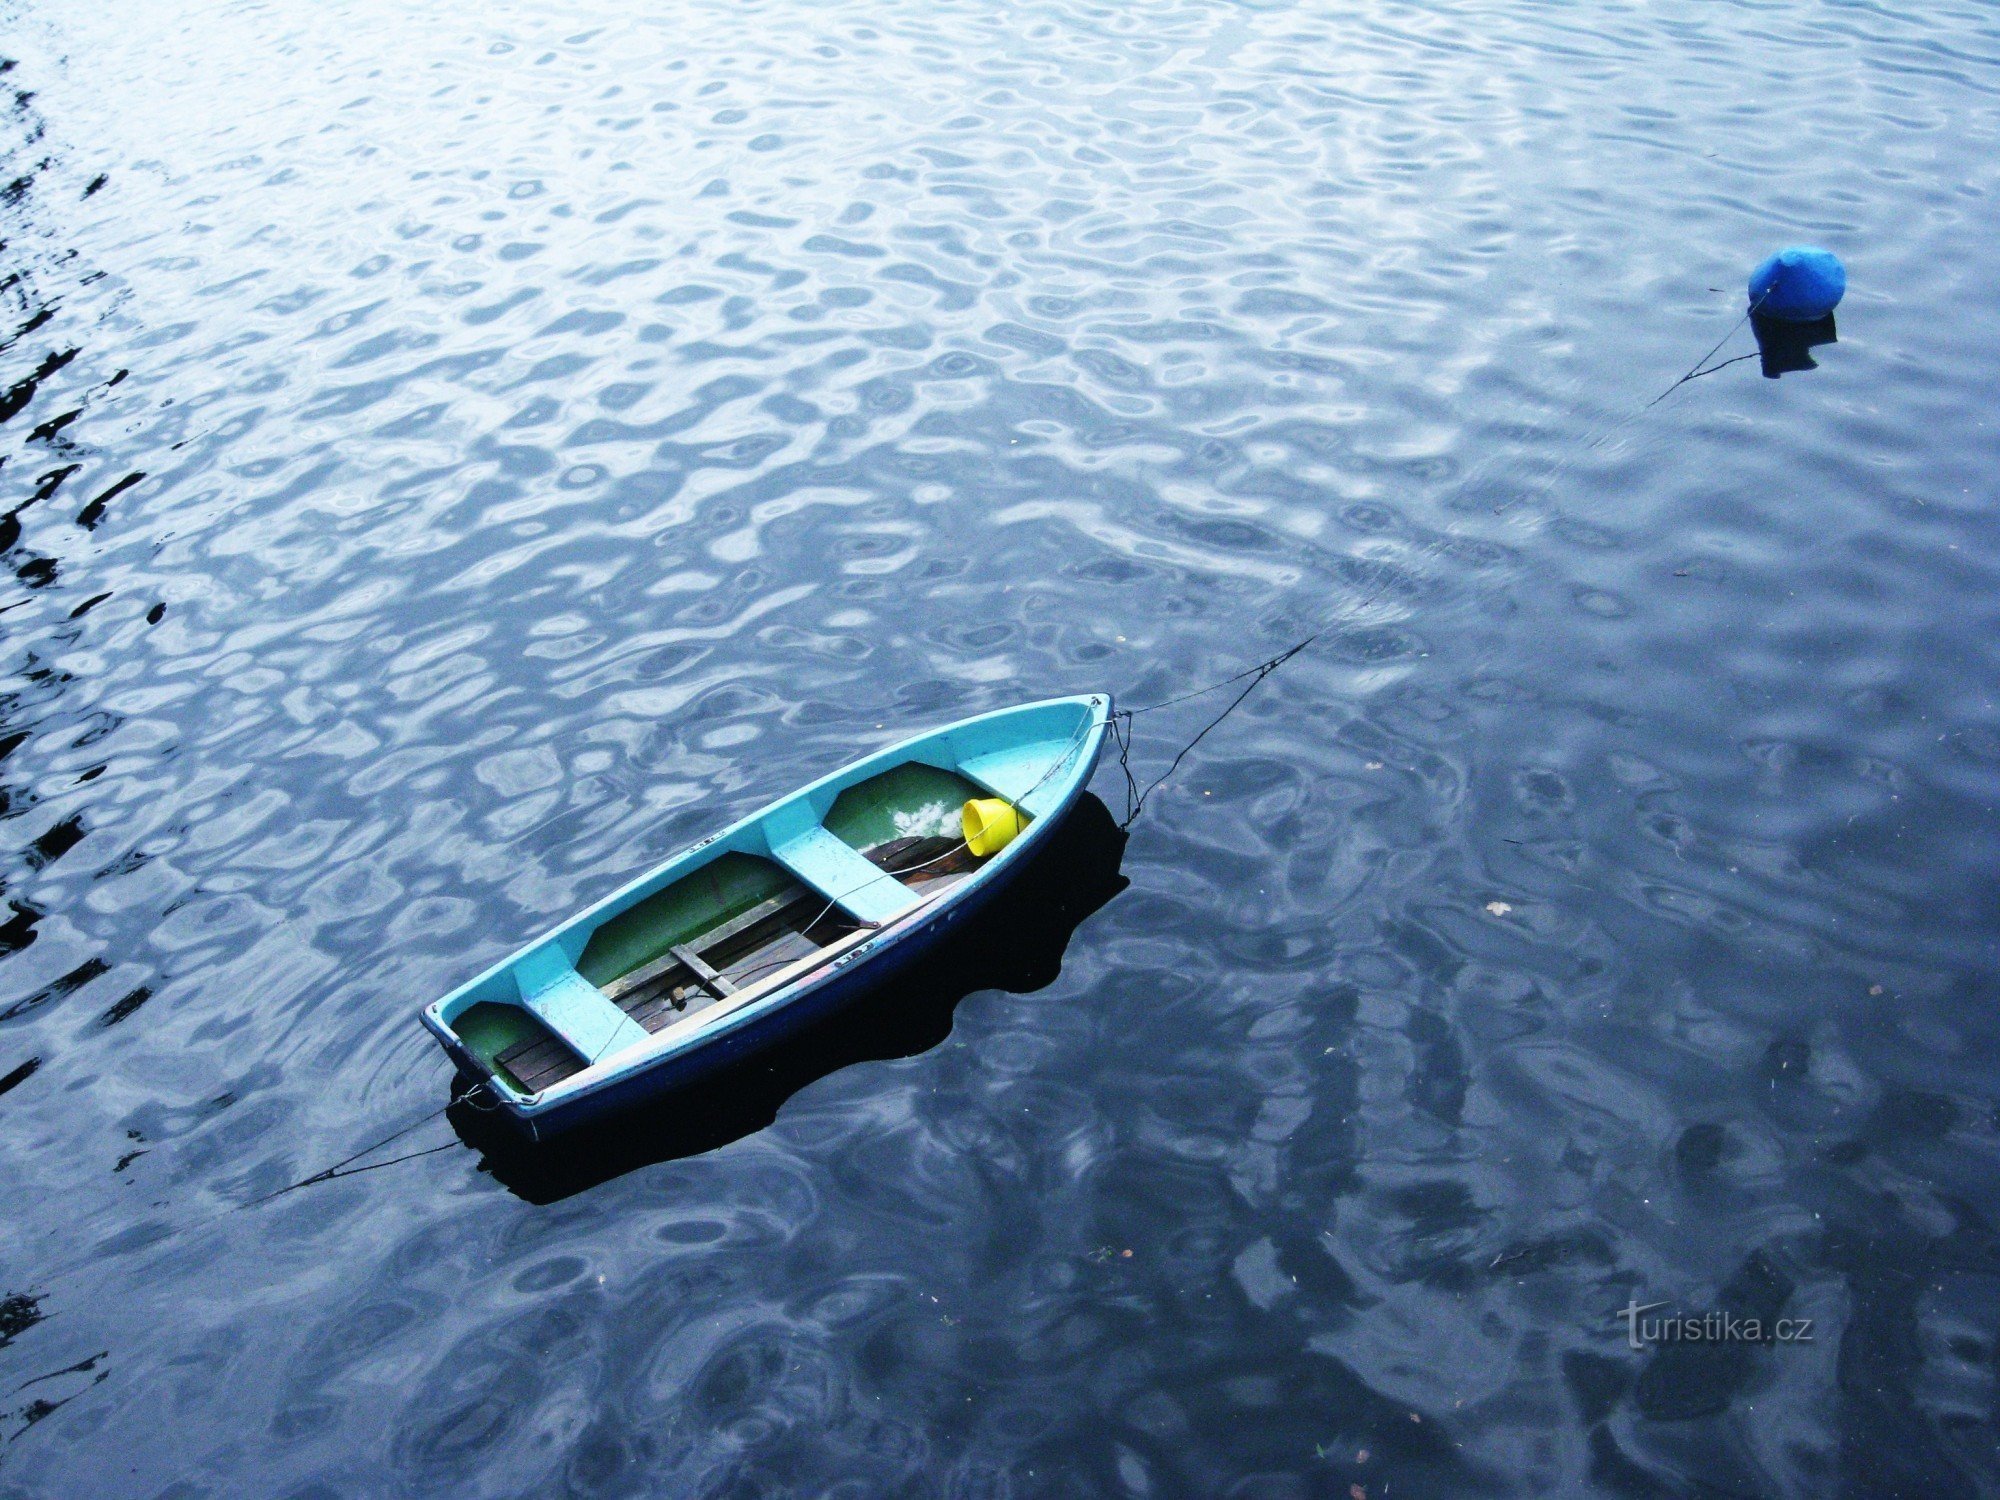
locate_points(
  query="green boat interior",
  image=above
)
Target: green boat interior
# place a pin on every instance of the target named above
(737, 920)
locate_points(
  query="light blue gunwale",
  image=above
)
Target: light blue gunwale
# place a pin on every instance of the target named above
(1037, 755)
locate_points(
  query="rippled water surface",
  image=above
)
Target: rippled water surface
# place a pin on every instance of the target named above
(456, 456)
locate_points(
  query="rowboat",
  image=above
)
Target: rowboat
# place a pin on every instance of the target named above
(765, 927)
(1016, 944)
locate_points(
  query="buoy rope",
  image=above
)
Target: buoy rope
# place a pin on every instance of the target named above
(345, 1166)
(1695, 372)
(1121, 721)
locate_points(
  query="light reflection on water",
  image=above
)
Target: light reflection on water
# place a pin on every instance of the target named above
(452, 463)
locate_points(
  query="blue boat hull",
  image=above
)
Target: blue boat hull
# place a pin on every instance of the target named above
(1037, 758)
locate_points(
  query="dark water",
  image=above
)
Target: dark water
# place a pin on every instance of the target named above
(454, 458)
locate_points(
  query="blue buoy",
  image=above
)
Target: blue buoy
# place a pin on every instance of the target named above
(1800, 284)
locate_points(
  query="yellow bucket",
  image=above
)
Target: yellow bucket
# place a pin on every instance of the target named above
(990, 825)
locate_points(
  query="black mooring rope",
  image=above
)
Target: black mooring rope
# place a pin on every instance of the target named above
(1121, 720)
(1696, 371)
(345, 1166)
(1121, 726)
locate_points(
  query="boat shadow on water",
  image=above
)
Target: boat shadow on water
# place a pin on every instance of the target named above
(1016, 943)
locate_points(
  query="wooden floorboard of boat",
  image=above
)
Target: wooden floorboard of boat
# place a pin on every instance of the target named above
(539, 1062)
